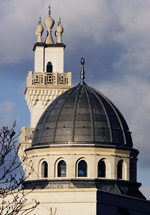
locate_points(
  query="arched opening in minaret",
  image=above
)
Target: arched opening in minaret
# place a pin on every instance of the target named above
(133, 171)
(101, 168)
(44, 170)
(82, 169)
(62, 169)
(119, 169)
(49, 67)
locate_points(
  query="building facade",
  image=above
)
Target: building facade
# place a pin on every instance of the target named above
(79, 144)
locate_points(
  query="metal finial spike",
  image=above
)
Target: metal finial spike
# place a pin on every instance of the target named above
(49, 11)
(59, 21)
(39, 22)
(82, 77)
(82, 61)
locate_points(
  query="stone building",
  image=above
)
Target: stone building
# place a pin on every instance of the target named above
(79, 144)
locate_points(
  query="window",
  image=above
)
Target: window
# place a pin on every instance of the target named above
(49, 67)
(44, 170)
(61, 169)
(119, 169)
(82, 169)
(101, 169)
(133, 171)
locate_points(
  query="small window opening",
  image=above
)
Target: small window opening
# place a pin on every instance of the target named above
(133, 171)
(82, 169)
(49, 68)
(119, 169)
(101, 169)
(44, 170)
(62, 169)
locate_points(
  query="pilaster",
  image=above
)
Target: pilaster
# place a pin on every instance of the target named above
(39, 57)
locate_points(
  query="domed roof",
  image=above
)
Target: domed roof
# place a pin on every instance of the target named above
(82, 116)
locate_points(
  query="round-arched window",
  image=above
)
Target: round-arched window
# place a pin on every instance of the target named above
(119, 169)
(101, 169)
(61, 169)
(49, 68)
(133, 171)
(44, 170)
(82, 169)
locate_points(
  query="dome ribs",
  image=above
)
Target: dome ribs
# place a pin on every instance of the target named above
(47, 112)
(83, 128)
(115, 129)
(91, 114)
(82, 116)
(74, 112)
(123, 124)
(106, 114)
(62, 105)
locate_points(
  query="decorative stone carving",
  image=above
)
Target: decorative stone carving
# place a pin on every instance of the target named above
(39, 32)
(59, 32)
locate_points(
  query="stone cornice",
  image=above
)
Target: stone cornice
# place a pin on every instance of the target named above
(44, 95)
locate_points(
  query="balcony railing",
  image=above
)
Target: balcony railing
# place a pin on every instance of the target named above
(26, 134)
(29, 132)
(37, 78)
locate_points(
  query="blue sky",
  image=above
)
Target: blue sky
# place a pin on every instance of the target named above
(114, 38)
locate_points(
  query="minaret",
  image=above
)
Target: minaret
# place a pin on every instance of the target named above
(48, 79)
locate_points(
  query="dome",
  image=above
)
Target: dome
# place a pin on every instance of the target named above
(82, 116)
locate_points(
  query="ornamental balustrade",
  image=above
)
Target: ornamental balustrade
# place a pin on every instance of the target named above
(50, 78)
(29, 132)
(26, 134)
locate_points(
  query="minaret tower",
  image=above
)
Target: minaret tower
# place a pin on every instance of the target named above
(48, 79)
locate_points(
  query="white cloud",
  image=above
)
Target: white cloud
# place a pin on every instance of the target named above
(18, 24)
(96, 21)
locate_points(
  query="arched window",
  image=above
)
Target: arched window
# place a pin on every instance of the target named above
(62, 169)
(119, 169)
(44, 170)
(101, 169)
(82, 169)
(49, 67)
(133, 171)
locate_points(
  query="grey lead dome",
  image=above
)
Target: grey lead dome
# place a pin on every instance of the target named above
(82, 116)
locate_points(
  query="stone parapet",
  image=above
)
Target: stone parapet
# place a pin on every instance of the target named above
(25, 139)
(35, 79)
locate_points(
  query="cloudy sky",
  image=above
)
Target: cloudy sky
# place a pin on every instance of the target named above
(114, 38)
